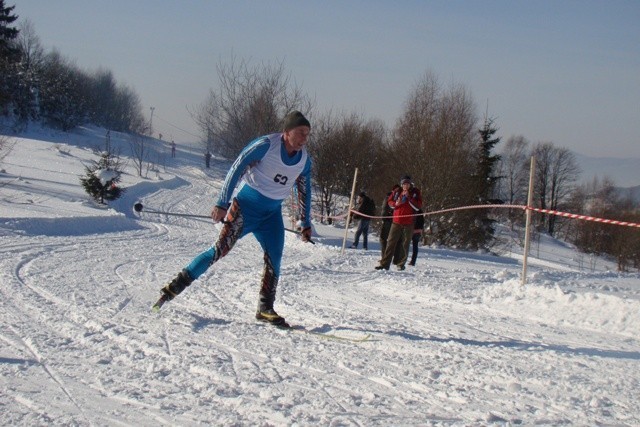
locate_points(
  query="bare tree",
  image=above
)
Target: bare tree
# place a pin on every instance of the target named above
(32, 52)
(435, 141)
(600, 198)
(139, 151)
(514, 168)
(339, 145)
(556, 173)
(250, 101)
(6, 145)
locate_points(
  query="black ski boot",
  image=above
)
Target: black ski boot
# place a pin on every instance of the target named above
(173, 289)
(265, 312)
(270, 316)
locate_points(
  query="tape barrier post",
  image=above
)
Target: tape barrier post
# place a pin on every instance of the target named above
(346, 226)
(527, 228)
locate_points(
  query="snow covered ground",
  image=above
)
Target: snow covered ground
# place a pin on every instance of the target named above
(453, 341)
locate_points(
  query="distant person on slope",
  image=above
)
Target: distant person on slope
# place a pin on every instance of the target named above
(269, 167)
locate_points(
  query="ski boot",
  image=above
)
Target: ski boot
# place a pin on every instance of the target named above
(173, 289)
(270, 316)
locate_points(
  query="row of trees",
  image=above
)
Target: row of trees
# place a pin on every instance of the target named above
(439, 140)
(40, 85)
(556, 188)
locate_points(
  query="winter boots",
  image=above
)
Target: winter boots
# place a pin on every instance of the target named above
(264, 313)
(270, 316)
(173, 288)
(177, 285)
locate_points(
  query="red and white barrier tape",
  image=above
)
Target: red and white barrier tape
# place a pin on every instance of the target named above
(586, 217)
(545, 211)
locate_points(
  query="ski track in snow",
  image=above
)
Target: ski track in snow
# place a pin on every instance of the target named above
(455, 340)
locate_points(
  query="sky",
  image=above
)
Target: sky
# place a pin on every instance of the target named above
(455, 340)
(566, 72)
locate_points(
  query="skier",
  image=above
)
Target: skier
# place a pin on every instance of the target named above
(269, 167)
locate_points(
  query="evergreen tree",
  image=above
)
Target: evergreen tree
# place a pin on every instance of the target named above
(9, 56)
(480, 225)
(103, 175)
(487, 162)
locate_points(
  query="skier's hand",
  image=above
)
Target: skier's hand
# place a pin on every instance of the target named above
(218, 213)
(305, 234)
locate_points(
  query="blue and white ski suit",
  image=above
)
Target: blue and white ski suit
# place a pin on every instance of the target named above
(266, 173)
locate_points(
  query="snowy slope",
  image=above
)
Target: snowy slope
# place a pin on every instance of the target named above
(454, 341)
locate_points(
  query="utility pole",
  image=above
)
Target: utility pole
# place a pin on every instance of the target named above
(151, 121)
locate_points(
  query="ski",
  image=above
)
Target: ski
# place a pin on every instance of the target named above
(327, 336)
(292, 328)
(360, 339)
(156, 307)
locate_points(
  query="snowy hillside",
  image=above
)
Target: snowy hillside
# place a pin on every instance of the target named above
(453, 341)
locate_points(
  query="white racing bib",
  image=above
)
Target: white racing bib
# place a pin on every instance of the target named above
(270, 176)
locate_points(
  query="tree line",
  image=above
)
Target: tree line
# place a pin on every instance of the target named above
(453, 154)
(45, 86)
(439, 139)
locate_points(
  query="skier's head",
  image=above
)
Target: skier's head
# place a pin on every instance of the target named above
(295, 119)
(296, 131)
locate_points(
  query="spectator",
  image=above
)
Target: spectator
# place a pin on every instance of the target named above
(418, 227)
(387, 219)
(404, 201)
(366, 209)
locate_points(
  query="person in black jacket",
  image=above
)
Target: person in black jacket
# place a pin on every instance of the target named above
(418, 227)
(366, 209)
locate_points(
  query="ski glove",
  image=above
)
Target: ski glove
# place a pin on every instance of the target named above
(218, 213)
(305, 234)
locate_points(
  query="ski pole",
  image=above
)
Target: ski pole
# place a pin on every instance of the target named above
(138, 207)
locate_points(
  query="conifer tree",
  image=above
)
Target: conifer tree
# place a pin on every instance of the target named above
(103, 175)
(480, 225)
(9, 55)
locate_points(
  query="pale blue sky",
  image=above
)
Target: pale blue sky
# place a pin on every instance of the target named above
(561, 71)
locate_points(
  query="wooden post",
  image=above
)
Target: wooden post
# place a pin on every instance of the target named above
(527, 228)
(346, 227)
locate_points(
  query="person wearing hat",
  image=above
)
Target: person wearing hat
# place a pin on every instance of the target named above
(366, 208)
(264, 172)
(404, 201)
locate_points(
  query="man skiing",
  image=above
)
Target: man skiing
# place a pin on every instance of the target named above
(267, 168)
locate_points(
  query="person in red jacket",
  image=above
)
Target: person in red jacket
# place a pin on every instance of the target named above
(405, 201)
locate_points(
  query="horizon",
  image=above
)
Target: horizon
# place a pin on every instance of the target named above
(564, 72)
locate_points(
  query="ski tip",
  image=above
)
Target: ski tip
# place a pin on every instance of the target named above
(156, 307)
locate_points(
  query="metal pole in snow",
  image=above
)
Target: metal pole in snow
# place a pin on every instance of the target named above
(346, 227)
(527, 231)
